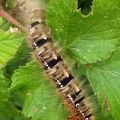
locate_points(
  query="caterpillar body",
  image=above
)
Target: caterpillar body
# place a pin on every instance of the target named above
(54, 66)
(57, 71)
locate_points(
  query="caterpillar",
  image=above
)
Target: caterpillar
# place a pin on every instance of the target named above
(55, 68)
(53, 64)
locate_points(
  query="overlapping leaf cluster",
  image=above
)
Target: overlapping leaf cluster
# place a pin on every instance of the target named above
(25, 92)
(93, 40)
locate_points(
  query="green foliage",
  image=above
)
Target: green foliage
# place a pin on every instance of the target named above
(92, 41)
(3, 87)
(9, 43)
(21, 57)
(85, 39)
(7, 110)
(4, 25)
(40, 99)
(105, 79)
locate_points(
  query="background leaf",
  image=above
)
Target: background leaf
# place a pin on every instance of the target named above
(7, 110)
(9, 44)
(40, 101)
(19, 59)
(4, 25)
(104, 78)
(85, 39)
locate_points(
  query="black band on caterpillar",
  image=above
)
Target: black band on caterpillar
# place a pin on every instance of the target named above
(53, 62)
(36, 23)
(66, 80)
(39, 42)
(74, 95)
(56, 70)
(88, 116)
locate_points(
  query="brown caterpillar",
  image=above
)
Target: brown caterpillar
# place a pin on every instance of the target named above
(56, 70)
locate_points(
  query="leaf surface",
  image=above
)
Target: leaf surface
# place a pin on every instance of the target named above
(7, 110)
(105, 80)
(40, 99)
(9, 44)
(85, 39)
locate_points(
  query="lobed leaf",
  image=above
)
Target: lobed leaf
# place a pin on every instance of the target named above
(87, 39)
(21, 57)
(40, 99)
(7, 109)
(9, 44)
(105, 80)
(4, 94)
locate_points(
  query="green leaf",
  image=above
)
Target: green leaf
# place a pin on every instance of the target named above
(9, 44)
(40, 100)
(7, 109)
(21, 57)
(4, 25)
(9, 112)
(85, 39)
(4, 94)
(105, 80)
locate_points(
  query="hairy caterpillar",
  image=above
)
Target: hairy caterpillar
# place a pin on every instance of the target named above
(41, 40)
(57, 71)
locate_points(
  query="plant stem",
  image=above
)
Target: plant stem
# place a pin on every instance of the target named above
(11, 20)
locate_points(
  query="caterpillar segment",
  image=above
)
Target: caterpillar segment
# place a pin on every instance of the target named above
(57, 71)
